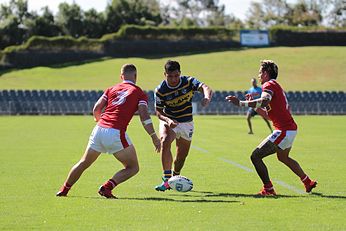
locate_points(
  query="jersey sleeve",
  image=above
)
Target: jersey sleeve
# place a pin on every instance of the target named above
(268, 87)
(159, 102)
(105, 94)
(196, 84)
(143, 98)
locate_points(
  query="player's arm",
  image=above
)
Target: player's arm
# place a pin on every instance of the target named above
(148, 125)
(162, 116)
(208, 94)
(256, 103)
(98, 107)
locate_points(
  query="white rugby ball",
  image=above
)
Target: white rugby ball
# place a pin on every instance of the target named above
(180, 183)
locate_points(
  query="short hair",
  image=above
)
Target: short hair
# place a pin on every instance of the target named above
(128, 69)
(270, 67)
(172, 66)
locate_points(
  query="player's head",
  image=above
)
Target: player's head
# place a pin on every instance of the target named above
(172, 73)
(254, 82)
(128, 72)
(268, 70)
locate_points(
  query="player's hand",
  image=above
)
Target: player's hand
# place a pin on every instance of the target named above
(233, 99)
(205, 102)
(249, 97)
(172, 123)
(156, 142)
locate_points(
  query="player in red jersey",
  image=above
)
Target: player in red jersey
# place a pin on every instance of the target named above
(273, 105)
(119, 102)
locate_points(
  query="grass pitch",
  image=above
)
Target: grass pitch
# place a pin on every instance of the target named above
(37, 153)
(300, 68)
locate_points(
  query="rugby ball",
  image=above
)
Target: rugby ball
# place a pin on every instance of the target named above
(180, 183)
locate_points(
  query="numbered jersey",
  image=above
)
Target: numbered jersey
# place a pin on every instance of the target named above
(278, 109)
(122, 103)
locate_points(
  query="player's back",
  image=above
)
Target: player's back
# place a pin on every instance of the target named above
(278, 108)
(122, 103)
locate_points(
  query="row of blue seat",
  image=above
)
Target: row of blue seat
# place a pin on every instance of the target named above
(92, 95)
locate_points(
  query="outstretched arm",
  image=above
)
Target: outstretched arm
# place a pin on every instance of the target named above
(148, 125)
(208, 94)
(256, 103)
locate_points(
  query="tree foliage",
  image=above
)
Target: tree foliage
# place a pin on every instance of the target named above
(17, 24)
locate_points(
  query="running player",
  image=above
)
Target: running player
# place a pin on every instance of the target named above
(273, 104)
(173, 101)
(119, 103)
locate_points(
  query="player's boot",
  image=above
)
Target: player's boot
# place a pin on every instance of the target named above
(267, 192)
(310, 186)
(163, 186)
(62, 192)
(105, 192)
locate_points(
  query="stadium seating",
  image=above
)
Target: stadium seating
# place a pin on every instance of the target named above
(78, 102)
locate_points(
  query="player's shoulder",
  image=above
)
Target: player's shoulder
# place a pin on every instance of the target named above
(161, 88)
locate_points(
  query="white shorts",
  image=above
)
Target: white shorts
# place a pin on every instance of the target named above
(182, 130)
(108, 140)
(283, 139)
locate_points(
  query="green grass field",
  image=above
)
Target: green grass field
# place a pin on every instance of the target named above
(301, 68)
(37, 153)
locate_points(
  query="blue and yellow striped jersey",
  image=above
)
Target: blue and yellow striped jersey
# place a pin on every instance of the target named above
(177, 102)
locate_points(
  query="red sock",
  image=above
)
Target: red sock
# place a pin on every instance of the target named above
(268, 186)
(305, 179)
(110, 184)
(67, 185)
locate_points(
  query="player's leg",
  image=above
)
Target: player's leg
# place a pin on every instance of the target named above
(167, 137)
(128, 158)
(248, 119)
(283, 156)
(183, 147)
(264, 149)
(76, 171)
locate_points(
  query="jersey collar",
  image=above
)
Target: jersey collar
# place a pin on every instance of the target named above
(128, 81)
(175, 86)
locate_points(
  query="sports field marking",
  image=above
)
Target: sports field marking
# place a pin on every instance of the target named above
(279, 182)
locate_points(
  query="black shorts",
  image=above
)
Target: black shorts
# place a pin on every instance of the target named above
(252, 112)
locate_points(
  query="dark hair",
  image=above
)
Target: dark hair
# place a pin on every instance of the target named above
(172, 66)
(270, 67)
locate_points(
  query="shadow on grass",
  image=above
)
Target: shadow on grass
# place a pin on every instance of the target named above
(328, 196)
(177, 200)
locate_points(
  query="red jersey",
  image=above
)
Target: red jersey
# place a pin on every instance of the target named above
(122, 103)
(278, 109)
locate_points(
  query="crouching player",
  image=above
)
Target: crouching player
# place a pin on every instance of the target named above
(119, 102)
(273, 104)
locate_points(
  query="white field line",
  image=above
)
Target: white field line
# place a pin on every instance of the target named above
(283, 184)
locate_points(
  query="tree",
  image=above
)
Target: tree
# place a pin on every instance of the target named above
(306, 14)
(43, 25)
(70, 19)
(138, 12)
(337, 15)
(94, 23)
(255, 16)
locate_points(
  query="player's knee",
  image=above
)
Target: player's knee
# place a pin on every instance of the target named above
(256, 155)
(165, 143)
(283, 159)
(134, 169)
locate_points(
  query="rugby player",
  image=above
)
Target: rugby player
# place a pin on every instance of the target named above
(273, 105)
(173, 101)
(113, 112)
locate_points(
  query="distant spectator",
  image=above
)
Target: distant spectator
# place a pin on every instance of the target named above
(254, 93)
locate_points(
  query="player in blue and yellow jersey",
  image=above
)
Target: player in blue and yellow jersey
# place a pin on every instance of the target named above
(173, 101)
(254, 93)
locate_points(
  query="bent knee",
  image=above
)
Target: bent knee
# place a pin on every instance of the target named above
(256, 155)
